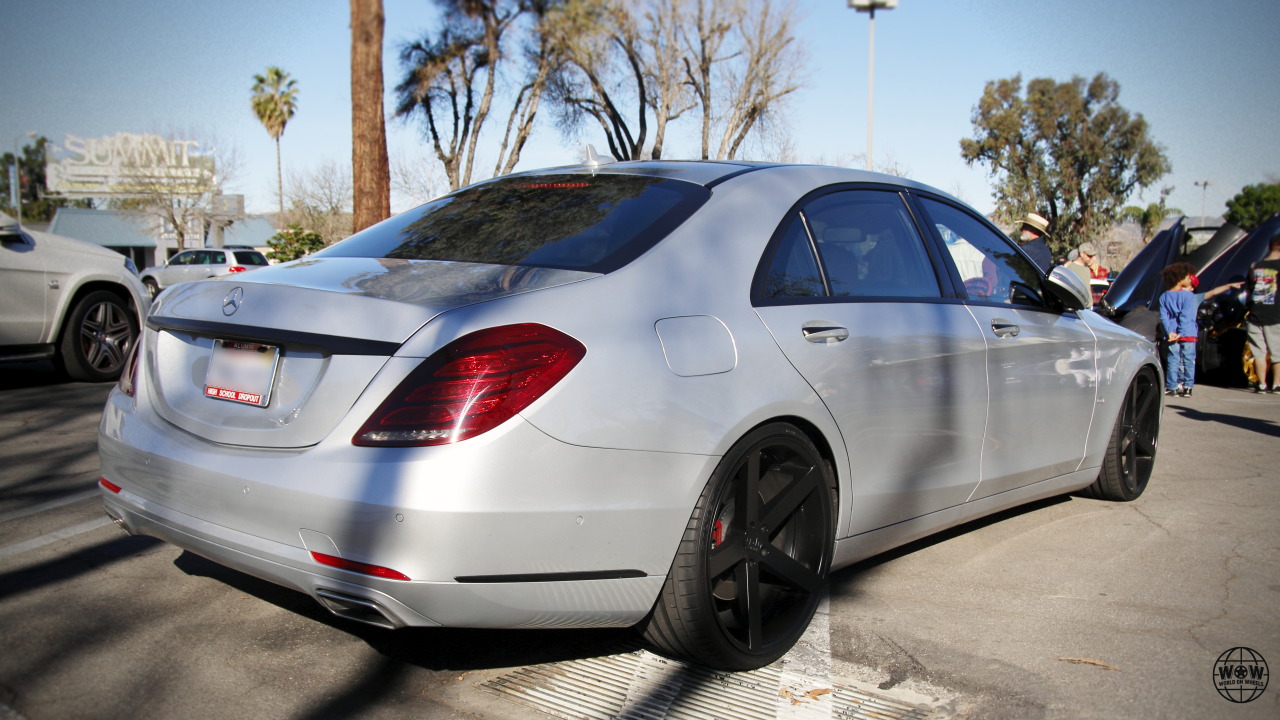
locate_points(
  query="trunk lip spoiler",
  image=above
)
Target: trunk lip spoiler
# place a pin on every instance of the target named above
(333, 344)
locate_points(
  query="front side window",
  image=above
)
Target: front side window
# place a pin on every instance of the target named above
(851, 244)
(989, 266)
(184, 258)
(583, 222)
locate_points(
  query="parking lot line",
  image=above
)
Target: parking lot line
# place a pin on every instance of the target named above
(52, 537)
(34, 509)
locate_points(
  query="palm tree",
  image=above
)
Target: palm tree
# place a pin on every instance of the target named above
(1149, 218)
(274, 102)
(370, 170)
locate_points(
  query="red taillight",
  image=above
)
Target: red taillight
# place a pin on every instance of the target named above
(128, 382)
(472, 385)
(109, 485)
(358, 567)
(237, 268)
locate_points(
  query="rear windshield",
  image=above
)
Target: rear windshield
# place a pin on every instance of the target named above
(250, 257)
(575, 222)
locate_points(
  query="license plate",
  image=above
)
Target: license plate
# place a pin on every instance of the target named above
(241, 372)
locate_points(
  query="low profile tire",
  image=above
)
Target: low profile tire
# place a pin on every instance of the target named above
(97, 338)
(152, 288)
(1131, 454)
(751, 566)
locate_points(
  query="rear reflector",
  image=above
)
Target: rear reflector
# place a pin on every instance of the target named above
(472, 385)
(109, 485)
(358, 567)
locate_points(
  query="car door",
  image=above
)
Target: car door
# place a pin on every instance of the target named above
(178, 269)
(1041, 361)
(213, 263)
(850, 293)
(24, 317)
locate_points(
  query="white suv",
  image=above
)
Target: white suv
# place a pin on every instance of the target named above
(74, 302)
(199, 264)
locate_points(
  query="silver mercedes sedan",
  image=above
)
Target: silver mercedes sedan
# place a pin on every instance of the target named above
(670, 395)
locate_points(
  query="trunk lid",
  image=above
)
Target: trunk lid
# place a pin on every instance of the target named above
(293, 346)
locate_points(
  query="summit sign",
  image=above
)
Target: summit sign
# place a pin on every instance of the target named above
(128, 165)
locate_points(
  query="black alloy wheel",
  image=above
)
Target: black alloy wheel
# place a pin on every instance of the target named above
(97, 338)
(753, 562)
(1131, 454)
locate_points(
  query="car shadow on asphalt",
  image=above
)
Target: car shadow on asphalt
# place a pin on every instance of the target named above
(26, 374)
(1258, 425)
(437, 649)
(843, 580)
(448, 650)
(464, 649)
(74, 564)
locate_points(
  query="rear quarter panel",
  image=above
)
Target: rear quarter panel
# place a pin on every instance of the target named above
(1121, 354)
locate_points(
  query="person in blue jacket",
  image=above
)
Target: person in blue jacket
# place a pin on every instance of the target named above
(1178, 306)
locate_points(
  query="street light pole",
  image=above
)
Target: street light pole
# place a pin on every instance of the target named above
(1204, 188)
(869, 6)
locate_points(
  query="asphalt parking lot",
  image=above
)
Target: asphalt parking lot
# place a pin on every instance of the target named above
(1068, 608)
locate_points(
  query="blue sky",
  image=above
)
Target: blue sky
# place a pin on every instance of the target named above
(1205, 75)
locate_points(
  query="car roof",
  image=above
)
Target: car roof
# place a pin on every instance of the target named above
(701, 172)
(710, 173)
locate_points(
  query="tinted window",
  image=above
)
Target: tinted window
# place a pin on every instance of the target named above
(249, 257)
(794, 271)
(989, 266)
(212, 257)
(856, 243)
(184, 258)
(564, 221)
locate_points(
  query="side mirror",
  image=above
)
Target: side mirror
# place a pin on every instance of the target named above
(1068, 288)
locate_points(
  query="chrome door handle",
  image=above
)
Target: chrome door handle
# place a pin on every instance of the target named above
(1004, 328)
(818, 331)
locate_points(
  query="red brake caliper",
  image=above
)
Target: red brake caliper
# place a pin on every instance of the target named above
(717, 534)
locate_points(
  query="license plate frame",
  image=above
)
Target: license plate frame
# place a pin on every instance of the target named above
(242, 372)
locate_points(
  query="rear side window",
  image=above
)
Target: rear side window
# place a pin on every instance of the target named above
(847, 245)
(581, 222)
(249, 257)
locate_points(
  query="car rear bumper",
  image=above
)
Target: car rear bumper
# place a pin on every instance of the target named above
(550, 535)
(617, 602)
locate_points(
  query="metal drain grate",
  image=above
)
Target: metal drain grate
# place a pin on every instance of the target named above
(644, 686)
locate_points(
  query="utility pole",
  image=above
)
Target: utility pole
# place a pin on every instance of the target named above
(870, 6)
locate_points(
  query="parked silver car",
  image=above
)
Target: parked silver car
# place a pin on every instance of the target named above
(674, 395)
(74, 302)
(201, 264)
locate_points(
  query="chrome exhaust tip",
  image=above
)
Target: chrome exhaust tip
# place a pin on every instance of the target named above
(358, 609)
(118, 522)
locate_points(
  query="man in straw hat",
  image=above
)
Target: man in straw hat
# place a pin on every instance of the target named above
(1031, 238)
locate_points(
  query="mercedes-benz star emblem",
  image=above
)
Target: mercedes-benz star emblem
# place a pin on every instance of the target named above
(231, 303)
